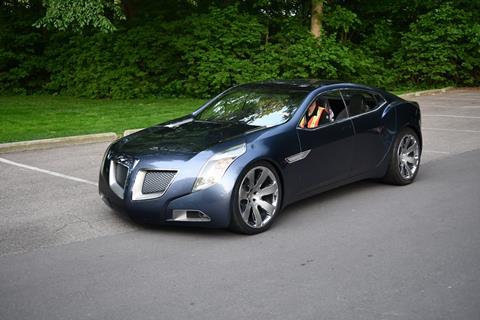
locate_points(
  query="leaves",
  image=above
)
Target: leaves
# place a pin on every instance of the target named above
(442, 47)
(199, 48)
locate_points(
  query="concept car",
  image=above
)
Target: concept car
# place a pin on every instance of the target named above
(255, 148)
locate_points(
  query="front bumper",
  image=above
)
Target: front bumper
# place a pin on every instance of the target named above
(177, 205)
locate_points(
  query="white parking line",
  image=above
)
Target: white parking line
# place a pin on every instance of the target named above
(434, 151)
(450, 116)
(452, 130)
(438, 99)
(52, 173)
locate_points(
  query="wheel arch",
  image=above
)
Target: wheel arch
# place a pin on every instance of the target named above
(408, 116)
(418, 132)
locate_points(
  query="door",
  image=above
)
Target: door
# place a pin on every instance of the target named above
(328, 147)
(371, 135)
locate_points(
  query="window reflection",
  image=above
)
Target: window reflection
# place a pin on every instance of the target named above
(256, 107)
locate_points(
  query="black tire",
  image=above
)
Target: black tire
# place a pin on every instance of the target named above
(395, 173)
(237, 223)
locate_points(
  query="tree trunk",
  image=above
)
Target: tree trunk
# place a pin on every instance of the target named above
(316, 20)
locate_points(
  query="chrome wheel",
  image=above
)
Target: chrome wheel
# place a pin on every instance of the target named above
(258, 197)
(408, 156)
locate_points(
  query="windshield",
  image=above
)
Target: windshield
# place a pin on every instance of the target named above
(256, 107)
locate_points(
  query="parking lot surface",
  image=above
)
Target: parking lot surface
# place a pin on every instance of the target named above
(364, 251)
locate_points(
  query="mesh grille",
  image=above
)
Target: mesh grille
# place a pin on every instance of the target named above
(157, 181)
(121, 174)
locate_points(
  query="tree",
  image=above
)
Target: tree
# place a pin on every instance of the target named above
(76, 15)
(316, 18)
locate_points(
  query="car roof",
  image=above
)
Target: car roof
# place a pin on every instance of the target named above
(295, 84)
(308, 85)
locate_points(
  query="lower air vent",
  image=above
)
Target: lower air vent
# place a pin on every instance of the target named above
(117, 177)
(121, 172)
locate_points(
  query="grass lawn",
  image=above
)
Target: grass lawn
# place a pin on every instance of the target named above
(43, 116)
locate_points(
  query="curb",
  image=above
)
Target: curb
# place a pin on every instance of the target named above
(426, 92)
(56, 142)
(130, 131)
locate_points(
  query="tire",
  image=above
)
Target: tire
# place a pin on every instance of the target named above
(405, 159)
(256, 199)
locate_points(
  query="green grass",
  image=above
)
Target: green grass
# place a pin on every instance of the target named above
(43, 116)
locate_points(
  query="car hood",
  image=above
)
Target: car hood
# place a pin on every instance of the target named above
(186, 137)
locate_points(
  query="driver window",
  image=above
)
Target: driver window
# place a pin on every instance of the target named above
(326, 108)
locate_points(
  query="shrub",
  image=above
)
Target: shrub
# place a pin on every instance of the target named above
(442, 47)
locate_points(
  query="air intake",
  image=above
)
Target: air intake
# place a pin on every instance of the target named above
(157, 181)
(150, 184)
(189, 216)
(121, 172)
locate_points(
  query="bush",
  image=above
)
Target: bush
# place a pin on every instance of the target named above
(196, 56)
(22, 64)
(123, 65)
(442, 47)
(217, 50)
(200, 53)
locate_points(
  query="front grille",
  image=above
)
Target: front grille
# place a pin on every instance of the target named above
(121, 172)
(157, 181)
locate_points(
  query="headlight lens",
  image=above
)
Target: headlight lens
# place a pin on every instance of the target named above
(216, 166)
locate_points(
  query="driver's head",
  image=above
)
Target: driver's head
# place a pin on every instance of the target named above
(323, 103)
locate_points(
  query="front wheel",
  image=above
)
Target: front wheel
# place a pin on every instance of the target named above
(257, 199)
(405, 160)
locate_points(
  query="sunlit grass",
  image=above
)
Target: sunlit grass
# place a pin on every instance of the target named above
(43, 116)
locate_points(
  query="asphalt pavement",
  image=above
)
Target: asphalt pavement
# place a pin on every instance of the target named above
(364, 251)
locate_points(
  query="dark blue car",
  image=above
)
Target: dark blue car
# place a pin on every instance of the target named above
(255, 148)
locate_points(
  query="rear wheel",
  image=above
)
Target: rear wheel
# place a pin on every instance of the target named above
(405, 160)
(256, 200)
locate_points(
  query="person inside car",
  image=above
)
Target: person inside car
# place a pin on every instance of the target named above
(318, 112)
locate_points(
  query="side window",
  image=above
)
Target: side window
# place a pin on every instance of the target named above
(359, 101)
(326, 108)
(379, 99)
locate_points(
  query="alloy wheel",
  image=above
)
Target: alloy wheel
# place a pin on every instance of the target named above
(408, 156)
(258, 196)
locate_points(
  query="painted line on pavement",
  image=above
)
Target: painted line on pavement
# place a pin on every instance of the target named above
(452, 130)
(450, 116)
(470, 107)
(52, 173)
(435, 151)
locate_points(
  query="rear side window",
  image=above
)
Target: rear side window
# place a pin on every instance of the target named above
(359, 101)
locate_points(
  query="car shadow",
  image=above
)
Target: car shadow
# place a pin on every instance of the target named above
(370, 186)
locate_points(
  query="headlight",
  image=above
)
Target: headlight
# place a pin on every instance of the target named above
(216, 166)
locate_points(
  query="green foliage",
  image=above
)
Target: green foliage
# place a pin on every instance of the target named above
(216, 50)
(443, 46)
(124, 65)
(21, 62)
(199, 48)
(381, 38)
(340, 20)
(77, 15)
